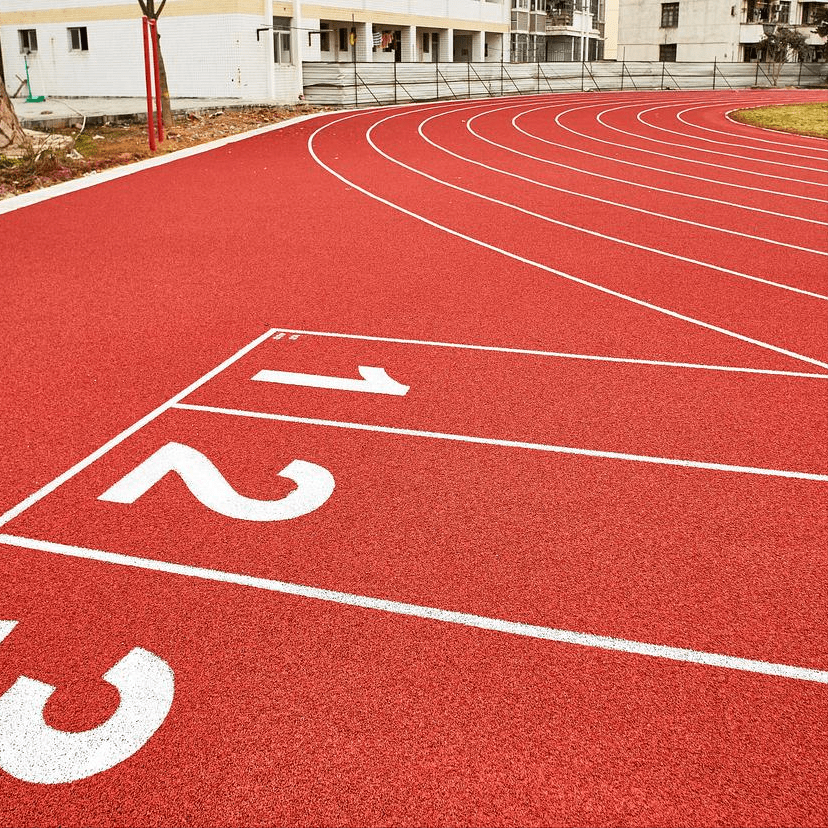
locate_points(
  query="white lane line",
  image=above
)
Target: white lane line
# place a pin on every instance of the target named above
(600, 200)
(577, 228)
(464, 619)
(718, 182)
(106, 447)
(600, 119)
(624, 181)
(556, 354)
(680, 146)
(781, 135)
(491, 441)
(552, 270)
(692, 136)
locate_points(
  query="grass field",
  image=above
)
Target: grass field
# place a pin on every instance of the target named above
(804, 119)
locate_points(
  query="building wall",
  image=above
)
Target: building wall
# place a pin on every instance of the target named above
(611, 30)
(707, 30)
(211, 48)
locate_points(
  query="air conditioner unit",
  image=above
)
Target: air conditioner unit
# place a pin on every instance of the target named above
(26, 50)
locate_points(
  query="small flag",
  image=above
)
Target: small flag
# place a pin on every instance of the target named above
(377, 38)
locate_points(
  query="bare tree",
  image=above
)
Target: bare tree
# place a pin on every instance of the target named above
(12, 136)
(779, 45)
(153, 12)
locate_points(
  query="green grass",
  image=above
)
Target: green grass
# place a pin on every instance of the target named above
(803, 119)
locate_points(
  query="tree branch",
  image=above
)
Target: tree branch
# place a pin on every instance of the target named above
(160, 9)
(143, 6)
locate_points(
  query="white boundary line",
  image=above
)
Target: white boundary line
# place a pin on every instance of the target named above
(555, 354)
(660, 170)
(577, 228)
(779, 133)
(742, 170)
(689, 134)
(580, 639)
(626, 181)
(621, 205)
(491, 441)
(552, 270)
(679, 146)
(108, 446)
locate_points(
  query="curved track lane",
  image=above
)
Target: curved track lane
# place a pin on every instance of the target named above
(535, 393)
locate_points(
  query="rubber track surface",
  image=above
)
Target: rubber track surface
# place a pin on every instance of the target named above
(638, 454)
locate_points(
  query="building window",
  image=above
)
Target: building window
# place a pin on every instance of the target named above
(324, 41)
(28, 40)
(669, 15)
(78, 40)
(783, 14)
(343, 40)
(809, 13)
(426, 43)
(281, 39)
(667, 52)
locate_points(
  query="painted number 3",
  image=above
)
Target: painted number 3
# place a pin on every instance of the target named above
(314, 485)
(32, 751)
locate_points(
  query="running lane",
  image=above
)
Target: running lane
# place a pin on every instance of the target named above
(365, 523)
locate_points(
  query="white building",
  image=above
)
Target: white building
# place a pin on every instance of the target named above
(575, 30)
(704, 30)
(246, 49)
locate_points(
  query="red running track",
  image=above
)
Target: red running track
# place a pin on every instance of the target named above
(560, 562)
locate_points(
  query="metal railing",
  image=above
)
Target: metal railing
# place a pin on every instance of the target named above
(372, 84)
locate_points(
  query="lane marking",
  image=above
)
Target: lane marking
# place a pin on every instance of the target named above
(631, 207)
(577, 228)
(719, 183)
(119, 438)
(776, 141)
(554, 271)
(500, 625)
(492, 441)
(742, 170)
(625, 181)
(554, 354)
(693, 137)
(676, 145)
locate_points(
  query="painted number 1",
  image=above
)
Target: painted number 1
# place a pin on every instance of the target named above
(374, 381)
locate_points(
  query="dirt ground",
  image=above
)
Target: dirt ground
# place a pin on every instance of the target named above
(111, 145)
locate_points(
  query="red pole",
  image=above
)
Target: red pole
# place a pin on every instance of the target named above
(154, 26)
(150, 124)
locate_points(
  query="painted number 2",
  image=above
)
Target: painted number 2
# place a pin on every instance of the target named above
(314, 485)
(32, 751)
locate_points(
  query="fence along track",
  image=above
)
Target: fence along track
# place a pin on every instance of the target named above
(367, 84)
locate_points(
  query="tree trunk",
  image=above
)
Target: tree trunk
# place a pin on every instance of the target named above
(152, 12)
(166, 109)
(12, 136)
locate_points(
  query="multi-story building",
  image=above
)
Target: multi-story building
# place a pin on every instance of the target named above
(528, 37)
(704, 30)
(246, 49)
(575, 30)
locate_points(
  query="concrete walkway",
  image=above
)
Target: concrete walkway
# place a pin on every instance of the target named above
(54, 113)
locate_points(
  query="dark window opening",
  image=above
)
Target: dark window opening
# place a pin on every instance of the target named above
(669, 15)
